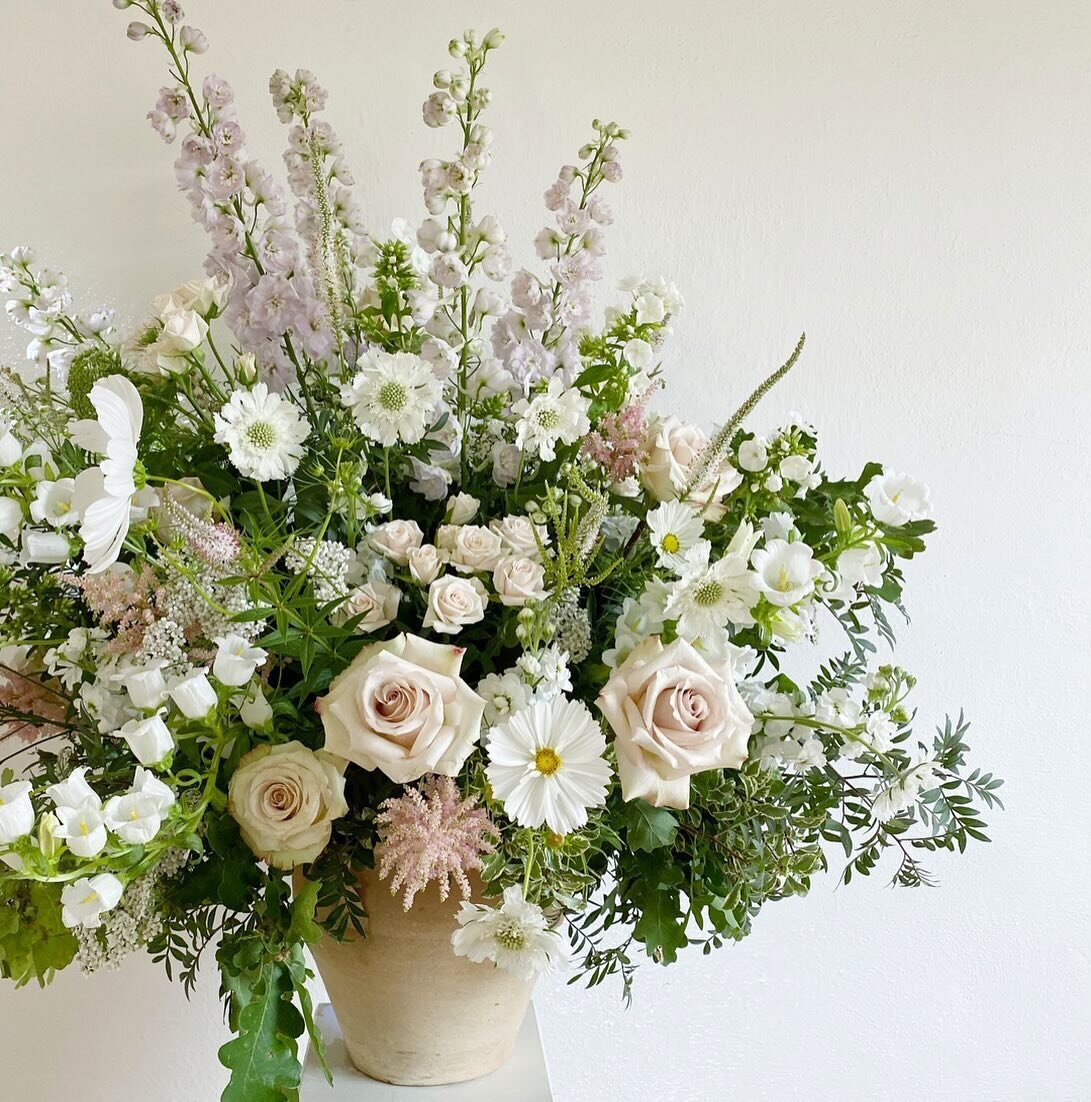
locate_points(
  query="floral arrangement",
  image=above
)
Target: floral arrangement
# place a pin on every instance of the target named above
(363, 551)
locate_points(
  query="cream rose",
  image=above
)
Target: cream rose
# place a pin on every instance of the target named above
(517, 536)
(518, 580)
(285, 798)
(402, 707)
(454, 602)
(471, 548)
(461, 508)
(396, 539)
(425, 564)
(674, 714)
(665, 471)
(377, 602)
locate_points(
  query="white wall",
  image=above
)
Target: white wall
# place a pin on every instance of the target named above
(907, 181)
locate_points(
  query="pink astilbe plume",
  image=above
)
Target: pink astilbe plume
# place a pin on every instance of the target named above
(618, 444)
(216, 544)
(123, 600)
(431, 833)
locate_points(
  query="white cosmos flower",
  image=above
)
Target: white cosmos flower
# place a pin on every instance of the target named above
(52, 503)
(546, 764)
(555, 415)
(515, 936)
(897, 499)
(674, 528)
(786, 571)
(84, 900)
(263, 433)
(393, 397)
(710, 595)
(103, 495)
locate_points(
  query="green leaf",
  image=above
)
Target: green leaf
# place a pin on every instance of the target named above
(662, 927)
(263, 1058)
(648, 827)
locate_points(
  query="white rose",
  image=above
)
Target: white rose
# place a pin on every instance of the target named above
(461, 508)
(897, 499)
(518, 580)
(402, 707)
(377, 602)
(471, 548)
(454, 602)
(425, 563)
(396, 539)
(285, 798)
(182, 332)
(505, 463)
(517, 536)
(673, 714)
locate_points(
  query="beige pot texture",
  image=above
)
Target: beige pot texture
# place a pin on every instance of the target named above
(410, 1011)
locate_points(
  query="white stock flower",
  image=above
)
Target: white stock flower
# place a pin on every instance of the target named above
(16, 811)
(753, 455)
(392, 397)
(674, 528)
(84, 900)
(547, 764)
(263, 433)
(786, 572)
(236, 660)
(897, 499)
(554, 416)
(52, 503)
(103, 495)
(503, 693)
(515, 936)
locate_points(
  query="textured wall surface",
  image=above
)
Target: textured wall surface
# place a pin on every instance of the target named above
(907, 182)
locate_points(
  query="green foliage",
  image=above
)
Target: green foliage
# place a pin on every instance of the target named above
(34, 943)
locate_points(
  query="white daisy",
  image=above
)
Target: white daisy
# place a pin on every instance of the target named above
(102, 496)
(710, 595)
(263, 433)
(393, 397)
(515, 936)
(556, 415)
(674, 528)
(546, 764)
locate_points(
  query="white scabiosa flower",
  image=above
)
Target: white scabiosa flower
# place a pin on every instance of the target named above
(710, 595)
(393, 396)
(515, 936)
(546, 764)
(555, 416)
(674, 528)
(263, 433)
(102, 496)
(84, 901)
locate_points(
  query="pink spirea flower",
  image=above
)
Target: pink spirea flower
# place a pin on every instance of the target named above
(431, 833)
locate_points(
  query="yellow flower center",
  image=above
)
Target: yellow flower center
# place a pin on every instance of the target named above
(670, 543)
(547, 761)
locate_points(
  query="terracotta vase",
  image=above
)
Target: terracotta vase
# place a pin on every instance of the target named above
(410, 1011)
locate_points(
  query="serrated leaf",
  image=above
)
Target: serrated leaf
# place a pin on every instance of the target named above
(648, 828)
